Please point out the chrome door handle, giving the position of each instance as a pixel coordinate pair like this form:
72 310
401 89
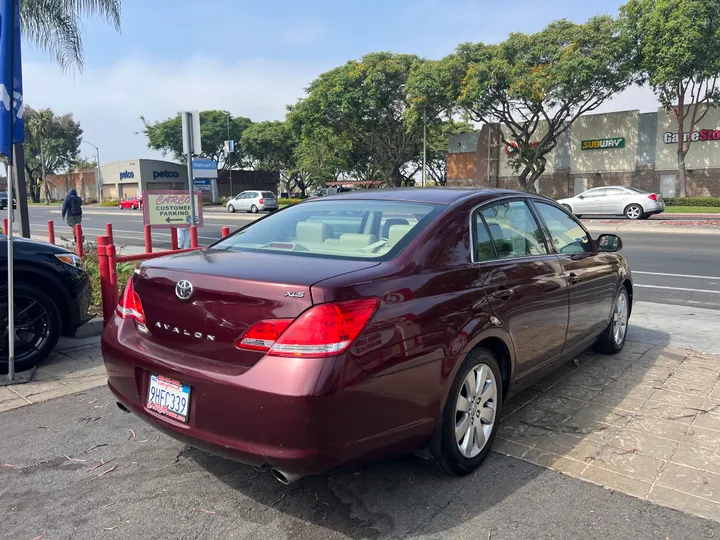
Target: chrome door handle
503 293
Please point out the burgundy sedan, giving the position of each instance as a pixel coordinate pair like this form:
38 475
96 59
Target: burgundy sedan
365 325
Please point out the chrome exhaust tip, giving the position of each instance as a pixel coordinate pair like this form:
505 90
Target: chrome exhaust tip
285 478
122 407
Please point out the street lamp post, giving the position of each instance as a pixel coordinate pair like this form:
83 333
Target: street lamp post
98 182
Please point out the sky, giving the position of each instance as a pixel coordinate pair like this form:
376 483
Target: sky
254 58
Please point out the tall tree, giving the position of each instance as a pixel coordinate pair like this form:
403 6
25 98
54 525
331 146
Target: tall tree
677 49
272 146
367 103
166 136
52 145
536 85
83 163
55 26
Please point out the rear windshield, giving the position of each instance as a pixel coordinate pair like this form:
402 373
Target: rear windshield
268 195
369 229
636 190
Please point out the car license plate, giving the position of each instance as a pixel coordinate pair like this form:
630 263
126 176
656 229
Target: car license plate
169 397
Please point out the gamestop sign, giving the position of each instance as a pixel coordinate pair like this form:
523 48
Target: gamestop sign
703 135
163 209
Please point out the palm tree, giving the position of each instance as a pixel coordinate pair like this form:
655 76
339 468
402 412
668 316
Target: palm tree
55 26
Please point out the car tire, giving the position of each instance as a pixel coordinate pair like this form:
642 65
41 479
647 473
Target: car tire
634 211
462 458
120 206
254 209
231 208
46 315
612 340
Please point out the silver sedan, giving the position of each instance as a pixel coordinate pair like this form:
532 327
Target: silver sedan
625 201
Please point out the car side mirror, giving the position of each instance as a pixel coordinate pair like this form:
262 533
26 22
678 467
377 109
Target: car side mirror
581 196
609 243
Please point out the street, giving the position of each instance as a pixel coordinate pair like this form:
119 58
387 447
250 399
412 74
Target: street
668 267
52 486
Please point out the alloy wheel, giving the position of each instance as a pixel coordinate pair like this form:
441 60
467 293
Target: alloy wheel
633 212
32 328
620 318
475 410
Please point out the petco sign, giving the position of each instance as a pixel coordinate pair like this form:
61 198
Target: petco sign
127 175
704 135
165 174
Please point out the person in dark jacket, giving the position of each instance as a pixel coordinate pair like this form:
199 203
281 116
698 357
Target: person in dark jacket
72 209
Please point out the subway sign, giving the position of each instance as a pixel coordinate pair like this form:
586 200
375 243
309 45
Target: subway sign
603 144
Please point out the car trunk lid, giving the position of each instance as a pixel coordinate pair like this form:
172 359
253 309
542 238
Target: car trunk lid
230 292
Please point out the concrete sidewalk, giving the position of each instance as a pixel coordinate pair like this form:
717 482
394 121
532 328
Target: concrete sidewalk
645 422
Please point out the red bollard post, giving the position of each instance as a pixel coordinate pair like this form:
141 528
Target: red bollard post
148 239
5 226
112 263
225 231
108 232
51 231
79 240
193 236
173 238
105 280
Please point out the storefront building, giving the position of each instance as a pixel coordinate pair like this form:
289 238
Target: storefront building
620 148
130 178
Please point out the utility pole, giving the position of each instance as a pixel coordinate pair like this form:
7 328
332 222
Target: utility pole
424 145
98 179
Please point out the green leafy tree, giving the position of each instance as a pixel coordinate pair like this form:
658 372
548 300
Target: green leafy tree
166 136
55 26
367 104
536 85
52 145
272 147
83 163
677 50
321 156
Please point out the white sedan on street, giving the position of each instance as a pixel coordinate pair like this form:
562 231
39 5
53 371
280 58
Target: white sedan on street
625 201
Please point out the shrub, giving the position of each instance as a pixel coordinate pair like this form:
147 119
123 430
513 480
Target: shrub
110 202
124 273
285 202
693 201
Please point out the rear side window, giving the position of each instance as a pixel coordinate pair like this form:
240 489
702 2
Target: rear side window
356 229
567 235
513 230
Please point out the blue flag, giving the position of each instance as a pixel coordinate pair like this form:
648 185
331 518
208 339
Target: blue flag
12 124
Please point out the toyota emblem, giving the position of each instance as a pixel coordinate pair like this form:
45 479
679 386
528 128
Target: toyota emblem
184 289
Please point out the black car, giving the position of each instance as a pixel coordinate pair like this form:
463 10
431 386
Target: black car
4 200
52 297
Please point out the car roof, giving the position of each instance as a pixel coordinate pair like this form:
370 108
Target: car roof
434 195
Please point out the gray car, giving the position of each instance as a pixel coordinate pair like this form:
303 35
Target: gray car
625 201
253 201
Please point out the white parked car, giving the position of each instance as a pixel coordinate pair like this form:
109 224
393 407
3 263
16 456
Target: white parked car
625 201
253 201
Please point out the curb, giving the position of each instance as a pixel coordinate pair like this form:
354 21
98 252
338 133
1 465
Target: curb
655 230
92 328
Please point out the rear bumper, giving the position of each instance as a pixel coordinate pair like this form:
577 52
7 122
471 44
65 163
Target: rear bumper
283 413
654 207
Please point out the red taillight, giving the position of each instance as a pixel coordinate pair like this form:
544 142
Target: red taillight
263 335
322 331
261 201
129 306
652 197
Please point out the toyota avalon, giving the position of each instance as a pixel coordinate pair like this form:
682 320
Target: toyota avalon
365 325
